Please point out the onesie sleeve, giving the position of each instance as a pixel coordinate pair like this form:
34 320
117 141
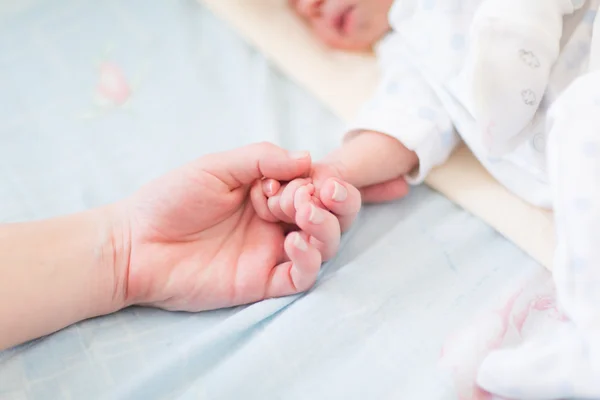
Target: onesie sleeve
404 106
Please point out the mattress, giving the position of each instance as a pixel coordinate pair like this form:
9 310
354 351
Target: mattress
99 97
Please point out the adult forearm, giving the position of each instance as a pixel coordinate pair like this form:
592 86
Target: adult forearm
56 272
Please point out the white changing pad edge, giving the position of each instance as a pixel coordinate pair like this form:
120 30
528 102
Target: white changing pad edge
344 81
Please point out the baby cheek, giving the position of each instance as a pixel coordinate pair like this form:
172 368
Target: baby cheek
327 34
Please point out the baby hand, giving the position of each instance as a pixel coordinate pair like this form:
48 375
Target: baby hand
298 203
291 201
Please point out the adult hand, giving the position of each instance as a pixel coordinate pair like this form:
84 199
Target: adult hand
190 240
197 243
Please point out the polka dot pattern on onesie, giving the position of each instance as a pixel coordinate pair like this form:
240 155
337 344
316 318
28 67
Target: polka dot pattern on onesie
529 97
590 149
529 58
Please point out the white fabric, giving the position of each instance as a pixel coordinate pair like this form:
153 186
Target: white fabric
437 41
554 366
514 46
565 362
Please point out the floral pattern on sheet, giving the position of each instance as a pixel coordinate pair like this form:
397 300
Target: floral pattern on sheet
113 88
506 325
114 85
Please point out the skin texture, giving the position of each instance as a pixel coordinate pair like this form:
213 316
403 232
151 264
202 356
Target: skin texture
353 25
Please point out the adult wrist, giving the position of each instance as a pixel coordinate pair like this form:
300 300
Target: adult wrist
116 252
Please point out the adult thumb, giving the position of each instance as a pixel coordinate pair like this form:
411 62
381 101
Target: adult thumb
244 165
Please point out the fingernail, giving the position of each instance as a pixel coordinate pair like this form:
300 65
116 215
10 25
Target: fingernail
339 192
299 155
301 197
316 216
300 243
268 187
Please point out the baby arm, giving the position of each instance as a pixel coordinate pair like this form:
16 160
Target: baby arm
515 44
369 158
398 137
374 162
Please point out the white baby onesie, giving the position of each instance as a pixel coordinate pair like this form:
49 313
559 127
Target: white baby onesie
427 79
506 92
426 101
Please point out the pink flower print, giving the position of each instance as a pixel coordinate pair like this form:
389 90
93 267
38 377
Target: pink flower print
520 318
543 303
546 303
464 351
113 86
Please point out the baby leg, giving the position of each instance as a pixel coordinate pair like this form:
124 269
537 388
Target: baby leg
515 44
566 362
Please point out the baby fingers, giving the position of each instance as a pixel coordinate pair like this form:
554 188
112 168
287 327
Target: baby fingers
300 273
281 205
322 226
342 199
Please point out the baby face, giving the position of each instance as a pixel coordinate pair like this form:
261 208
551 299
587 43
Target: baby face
346 24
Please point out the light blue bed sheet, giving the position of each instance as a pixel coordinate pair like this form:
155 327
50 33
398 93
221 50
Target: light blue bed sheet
96 98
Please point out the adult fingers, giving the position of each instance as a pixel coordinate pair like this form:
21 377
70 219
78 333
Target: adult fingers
246 164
